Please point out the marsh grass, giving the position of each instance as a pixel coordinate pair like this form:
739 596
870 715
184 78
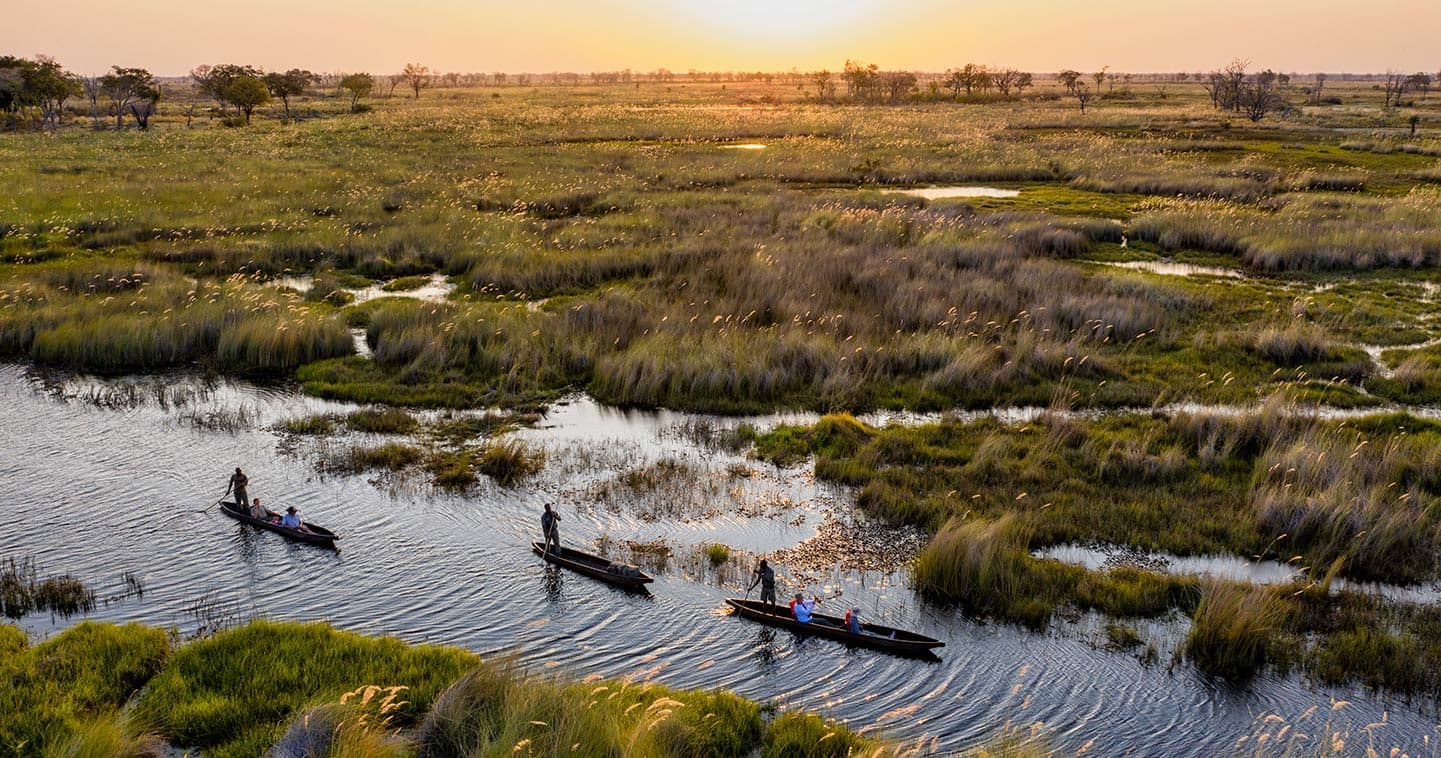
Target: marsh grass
22 591
669 272
318 425
806 735
106 736
216 695
1237 629
405 284
510 461
72 686
382 421
494 709
392 456
717 554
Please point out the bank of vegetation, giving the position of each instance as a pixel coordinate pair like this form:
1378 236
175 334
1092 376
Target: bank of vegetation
1354 498
105 689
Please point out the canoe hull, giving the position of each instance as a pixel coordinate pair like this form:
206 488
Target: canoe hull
592 566
873 635
318 535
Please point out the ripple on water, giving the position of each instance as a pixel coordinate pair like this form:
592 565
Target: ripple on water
98 492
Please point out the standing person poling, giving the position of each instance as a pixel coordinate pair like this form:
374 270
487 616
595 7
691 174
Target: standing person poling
766 577
239 482
550 527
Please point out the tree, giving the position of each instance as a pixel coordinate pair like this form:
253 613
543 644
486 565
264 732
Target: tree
825 88
1260 94
131 86
955 82
969 77
213 80
1224 85
1082 94
12 83
898 84
1070 79
1101 76
38 87
1419 81
861 79
1317 87
358 85
245 93
287 85
1413 121
90 86
1005 80
417 76
1023 81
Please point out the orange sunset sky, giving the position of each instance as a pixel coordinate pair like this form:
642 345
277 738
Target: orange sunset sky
169 36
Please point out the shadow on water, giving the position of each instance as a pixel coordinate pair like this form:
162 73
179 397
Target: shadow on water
552 583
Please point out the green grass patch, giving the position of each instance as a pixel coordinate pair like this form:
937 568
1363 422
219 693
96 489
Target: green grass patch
52 690
232 694
382 421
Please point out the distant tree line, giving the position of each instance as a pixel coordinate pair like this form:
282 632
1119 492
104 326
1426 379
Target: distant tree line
867 83
34 92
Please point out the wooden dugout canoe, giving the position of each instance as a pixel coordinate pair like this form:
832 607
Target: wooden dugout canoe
594 566
830 627
317 535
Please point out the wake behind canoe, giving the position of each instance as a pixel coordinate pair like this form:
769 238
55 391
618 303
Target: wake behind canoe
830 627
620 575
316 535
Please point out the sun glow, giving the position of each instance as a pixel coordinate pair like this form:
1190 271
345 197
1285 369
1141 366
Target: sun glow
795 22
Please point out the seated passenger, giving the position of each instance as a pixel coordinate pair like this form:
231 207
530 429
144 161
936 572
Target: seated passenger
292 519
853 620
803 608
257 511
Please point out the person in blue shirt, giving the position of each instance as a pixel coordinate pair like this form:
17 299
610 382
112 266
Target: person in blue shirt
292 519
803 608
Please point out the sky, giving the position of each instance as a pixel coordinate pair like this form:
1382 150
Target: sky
170 37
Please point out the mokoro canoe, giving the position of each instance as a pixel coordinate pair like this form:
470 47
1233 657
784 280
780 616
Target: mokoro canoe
872 635
594 566
318 535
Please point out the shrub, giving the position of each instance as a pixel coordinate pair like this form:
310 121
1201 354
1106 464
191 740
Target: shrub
717 553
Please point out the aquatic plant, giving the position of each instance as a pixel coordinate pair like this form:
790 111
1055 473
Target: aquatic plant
509 461
1236 629
382 421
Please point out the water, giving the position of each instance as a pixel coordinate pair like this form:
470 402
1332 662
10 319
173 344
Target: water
1172 268
99 488
434 291
942 193
744 146
1231 567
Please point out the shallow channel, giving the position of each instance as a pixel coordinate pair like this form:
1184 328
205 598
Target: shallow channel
98 487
